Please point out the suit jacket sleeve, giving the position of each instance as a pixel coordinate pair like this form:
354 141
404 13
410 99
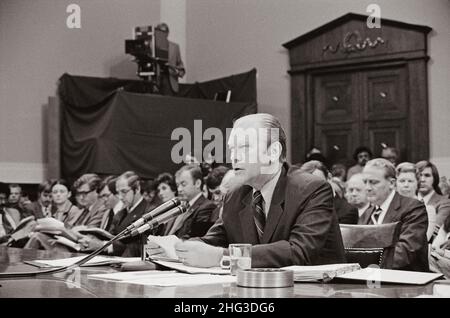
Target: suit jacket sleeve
216 235
307 236
202 222
442 211
412 237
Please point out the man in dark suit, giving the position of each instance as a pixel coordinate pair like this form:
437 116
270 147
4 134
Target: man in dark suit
174 68
42 207
287 216
411 250
197 219
129 191
346 213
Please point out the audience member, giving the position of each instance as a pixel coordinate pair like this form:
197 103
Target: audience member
166 187
361 155
390 154
42 206
411 250
197 219
346 213
356 194
429 191
406 185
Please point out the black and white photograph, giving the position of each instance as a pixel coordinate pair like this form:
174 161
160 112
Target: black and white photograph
224 154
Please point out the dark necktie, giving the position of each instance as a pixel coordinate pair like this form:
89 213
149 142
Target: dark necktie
6 224
375 215
258 215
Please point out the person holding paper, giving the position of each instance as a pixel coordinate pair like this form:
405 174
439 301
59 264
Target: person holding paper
411 250
287 216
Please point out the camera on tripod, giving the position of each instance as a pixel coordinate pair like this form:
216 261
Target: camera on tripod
150 47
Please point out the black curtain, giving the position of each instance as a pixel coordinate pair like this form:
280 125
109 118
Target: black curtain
107 129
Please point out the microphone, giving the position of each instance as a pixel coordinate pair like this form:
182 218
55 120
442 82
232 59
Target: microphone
163 218
153 213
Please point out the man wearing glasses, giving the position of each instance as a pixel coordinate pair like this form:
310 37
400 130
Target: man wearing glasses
134 206
86 195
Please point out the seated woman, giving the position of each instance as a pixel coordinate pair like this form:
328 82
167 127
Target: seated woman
64 214
407 185
166 187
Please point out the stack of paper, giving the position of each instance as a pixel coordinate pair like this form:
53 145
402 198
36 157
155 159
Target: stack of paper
321 272
390 276
96 261
165 278
193 270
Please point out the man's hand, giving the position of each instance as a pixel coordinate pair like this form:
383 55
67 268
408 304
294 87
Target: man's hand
199 254
90 243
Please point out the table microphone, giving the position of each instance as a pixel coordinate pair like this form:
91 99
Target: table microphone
160 219
172 203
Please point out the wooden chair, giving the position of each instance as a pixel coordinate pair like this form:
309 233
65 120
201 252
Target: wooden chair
370 244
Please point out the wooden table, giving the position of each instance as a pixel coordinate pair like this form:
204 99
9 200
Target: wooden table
77 284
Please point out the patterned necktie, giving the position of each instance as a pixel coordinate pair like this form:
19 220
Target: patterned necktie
376 215
258 215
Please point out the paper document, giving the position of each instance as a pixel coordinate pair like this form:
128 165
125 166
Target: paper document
167 243
321 272
193 270
391 276
138 275
96 261
164 278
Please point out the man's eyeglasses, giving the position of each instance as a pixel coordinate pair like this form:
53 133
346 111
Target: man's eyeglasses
83 193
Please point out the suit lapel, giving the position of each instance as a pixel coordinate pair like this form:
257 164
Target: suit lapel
365 217
247 222
181 219
391 213
276 207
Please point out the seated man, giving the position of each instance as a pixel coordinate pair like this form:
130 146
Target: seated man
440 251
287 216
42 207
345 212
197 219
411 250
134 206
356 195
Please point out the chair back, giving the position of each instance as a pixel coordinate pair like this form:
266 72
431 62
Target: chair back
370 244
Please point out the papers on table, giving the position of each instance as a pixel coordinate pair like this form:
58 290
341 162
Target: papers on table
96 261
193 270
165 278
391 276
167 243
320 272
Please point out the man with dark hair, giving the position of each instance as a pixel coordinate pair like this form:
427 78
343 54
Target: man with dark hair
42 206
92 209
286 215
346 213
197 219
128 187
361 155
390 154
213 181
430 193
411 249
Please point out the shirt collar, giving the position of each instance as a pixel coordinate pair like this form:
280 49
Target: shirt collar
385 205
268 189
136 204
363 209
426 198
192 201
